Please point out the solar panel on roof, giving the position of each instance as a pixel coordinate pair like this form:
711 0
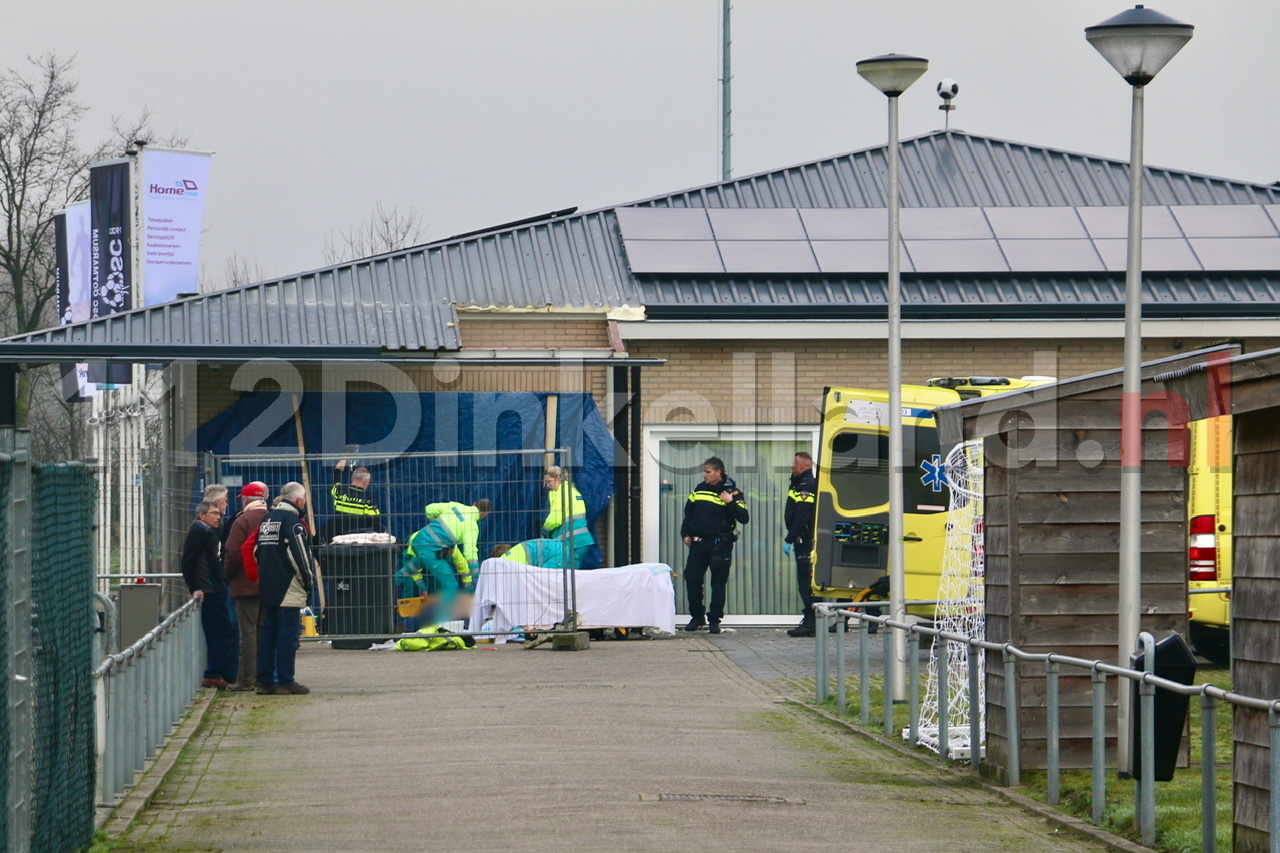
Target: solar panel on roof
759 256
662 223
1224 220
1158 254
1112 222
836 256
1240 253
1035 222
956 256
860 224
1051 255
944 223
673 256
756 224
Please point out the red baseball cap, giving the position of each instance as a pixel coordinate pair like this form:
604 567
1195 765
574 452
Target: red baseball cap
256 489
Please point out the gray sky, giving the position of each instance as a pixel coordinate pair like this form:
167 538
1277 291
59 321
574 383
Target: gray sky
476 112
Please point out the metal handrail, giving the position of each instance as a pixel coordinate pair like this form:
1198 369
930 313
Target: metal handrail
140 694
1148 682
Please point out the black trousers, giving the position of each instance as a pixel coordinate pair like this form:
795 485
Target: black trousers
713 554
803 549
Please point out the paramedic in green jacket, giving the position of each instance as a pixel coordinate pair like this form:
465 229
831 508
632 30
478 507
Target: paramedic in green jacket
442 550
567 514
462 522
545 553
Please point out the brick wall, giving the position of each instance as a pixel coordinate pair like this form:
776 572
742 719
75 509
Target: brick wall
776 382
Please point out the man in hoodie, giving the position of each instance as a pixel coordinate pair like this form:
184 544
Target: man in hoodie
202 570
244 579
284 560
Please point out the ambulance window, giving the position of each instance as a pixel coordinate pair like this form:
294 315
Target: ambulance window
858 471
924 480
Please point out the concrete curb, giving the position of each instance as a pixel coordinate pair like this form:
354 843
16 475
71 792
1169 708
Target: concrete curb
1049 813
115 820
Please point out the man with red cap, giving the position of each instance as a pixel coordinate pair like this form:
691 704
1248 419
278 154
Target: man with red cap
242 576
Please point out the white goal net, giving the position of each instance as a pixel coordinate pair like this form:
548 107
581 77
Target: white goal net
960 607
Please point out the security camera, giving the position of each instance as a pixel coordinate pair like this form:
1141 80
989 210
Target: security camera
948 89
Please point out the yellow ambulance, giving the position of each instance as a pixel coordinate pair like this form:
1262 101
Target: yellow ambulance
1209 529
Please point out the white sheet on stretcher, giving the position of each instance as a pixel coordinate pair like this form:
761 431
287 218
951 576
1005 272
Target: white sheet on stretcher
636 596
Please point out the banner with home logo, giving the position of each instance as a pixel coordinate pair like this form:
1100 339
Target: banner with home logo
172 193
73 277
111 252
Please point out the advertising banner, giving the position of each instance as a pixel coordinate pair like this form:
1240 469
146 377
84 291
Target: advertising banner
172 194
72 242
111 252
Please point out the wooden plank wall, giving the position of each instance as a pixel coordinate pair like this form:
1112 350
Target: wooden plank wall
1052 539
1255 620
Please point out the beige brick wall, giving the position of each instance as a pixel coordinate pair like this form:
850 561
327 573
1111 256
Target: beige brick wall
776 382
533 331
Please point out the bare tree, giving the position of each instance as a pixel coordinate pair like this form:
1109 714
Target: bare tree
238 271
384 231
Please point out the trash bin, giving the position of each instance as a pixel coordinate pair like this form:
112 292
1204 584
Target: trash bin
360 597
1174 662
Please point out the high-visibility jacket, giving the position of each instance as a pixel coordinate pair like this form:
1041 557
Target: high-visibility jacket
567 517
462 521
547 553
431 543
706 516
431 641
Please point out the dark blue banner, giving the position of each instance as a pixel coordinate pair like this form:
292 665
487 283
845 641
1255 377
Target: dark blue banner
111 250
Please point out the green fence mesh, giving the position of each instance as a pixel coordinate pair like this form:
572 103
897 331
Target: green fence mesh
6 477
62 651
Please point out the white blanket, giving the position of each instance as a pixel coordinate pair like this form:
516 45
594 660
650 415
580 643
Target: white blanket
512 595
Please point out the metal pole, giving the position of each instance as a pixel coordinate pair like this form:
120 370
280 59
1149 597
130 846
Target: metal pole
726 75
1208 773
1099 744
897 573
1052 731
1011 718
840 678
1145 796
1131 434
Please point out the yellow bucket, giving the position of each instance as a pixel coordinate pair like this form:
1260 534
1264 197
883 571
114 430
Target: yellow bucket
309 626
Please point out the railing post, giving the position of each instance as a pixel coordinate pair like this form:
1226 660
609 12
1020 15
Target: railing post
975 707
944 699
820 657
887 634
1011 715
1052 728
1099 744
913 687
1273 822
1209 773
840 679
864 671
1146 788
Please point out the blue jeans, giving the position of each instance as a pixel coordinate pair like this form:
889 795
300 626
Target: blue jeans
220 637
278 644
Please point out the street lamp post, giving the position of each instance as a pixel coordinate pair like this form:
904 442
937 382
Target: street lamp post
1138 43
893 74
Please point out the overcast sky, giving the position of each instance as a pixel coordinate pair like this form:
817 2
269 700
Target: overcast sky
477 112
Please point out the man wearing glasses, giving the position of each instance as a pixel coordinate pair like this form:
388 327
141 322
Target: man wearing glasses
202 570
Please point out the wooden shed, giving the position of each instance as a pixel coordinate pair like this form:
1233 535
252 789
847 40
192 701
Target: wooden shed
1248 388
1052 540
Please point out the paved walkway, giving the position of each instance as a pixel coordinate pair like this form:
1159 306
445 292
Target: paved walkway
673 744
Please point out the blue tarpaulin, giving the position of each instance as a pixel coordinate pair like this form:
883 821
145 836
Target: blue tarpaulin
386 425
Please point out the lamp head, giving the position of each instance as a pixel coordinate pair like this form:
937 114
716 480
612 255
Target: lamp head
892 73
1139 42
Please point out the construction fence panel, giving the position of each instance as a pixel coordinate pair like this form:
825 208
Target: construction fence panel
363 594
6 646
62 607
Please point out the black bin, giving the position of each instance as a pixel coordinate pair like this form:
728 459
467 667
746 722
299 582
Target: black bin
1174 662
360 598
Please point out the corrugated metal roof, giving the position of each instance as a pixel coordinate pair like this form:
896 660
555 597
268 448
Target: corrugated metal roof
950 168
1008 296
407 300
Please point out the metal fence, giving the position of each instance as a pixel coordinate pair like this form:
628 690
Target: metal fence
362 595
140 695
1145 813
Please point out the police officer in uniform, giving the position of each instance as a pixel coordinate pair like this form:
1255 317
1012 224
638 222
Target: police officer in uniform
798 517
711 515
355 510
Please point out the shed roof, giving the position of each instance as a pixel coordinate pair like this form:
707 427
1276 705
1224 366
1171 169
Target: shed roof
407 301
